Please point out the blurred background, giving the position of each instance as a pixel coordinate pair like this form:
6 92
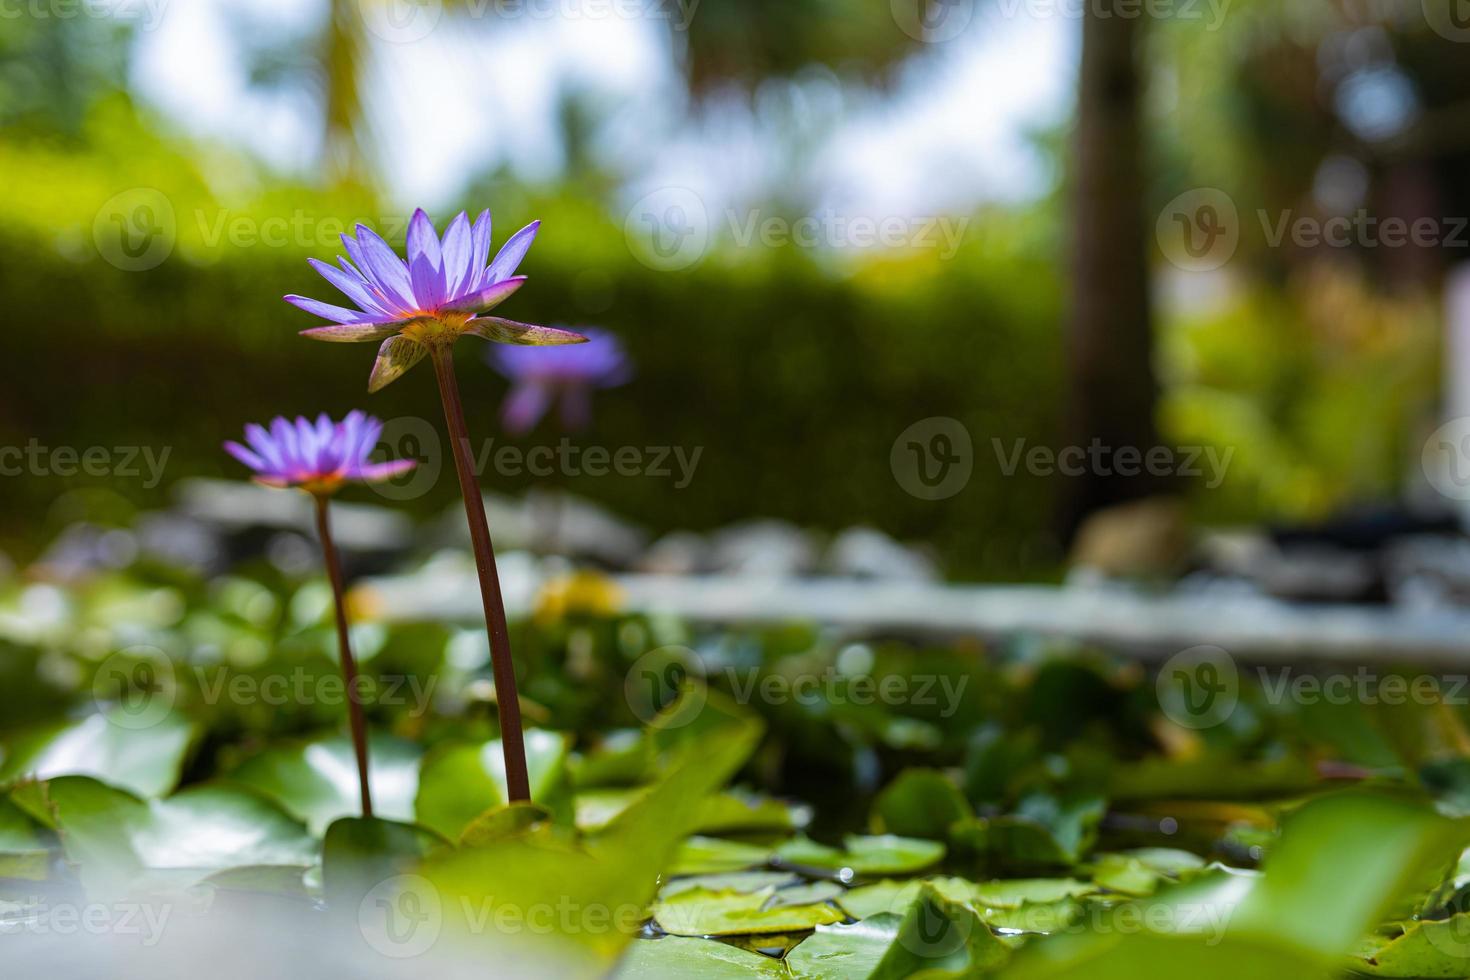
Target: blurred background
966 289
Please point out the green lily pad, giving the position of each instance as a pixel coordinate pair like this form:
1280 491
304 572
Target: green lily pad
118 839
714 855
921 803
511 820
736 812
1431 948
735 881
596 808
317 781
698 912
457 783
1039 918
1016 892
24 854
935 937
360 854
896 896
880 854
679 958
620 758
1043 833
112 746
281 880
844 952
612 873
1125 875
806 894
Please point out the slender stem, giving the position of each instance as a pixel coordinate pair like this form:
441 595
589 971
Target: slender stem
511 738
349 666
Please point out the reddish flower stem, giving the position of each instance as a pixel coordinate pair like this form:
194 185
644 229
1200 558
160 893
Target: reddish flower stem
349 666
511 738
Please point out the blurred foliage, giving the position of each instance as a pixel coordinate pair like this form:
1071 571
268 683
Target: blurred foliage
794 380
1034 804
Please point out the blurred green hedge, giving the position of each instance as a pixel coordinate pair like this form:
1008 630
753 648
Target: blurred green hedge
794 378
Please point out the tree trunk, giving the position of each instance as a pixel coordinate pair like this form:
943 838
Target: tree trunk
1111 386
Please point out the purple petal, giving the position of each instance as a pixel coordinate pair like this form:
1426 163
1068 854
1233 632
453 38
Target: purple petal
375 472
351 269
486 299
425 262
502 331
247 457
353 288
306 440
524 406
352 333
480 245
576 407
385 269
458 253
396 356
349 437
285 436
326 310
262 443
508 259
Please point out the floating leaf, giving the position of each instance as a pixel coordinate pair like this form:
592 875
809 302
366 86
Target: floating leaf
596 808
935 937
880 854
737 812
679 958
317 781
921 803
713 855
1016 892
119 839
458 782
360 854
612 873
1431 948
113 746
511 820
698 912
736 881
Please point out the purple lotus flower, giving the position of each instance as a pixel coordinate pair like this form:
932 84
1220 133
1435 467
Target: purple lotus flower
316 456
542 376
441 293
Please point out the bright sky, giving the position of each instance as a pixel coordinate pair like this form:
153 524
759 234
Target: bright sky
952 134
